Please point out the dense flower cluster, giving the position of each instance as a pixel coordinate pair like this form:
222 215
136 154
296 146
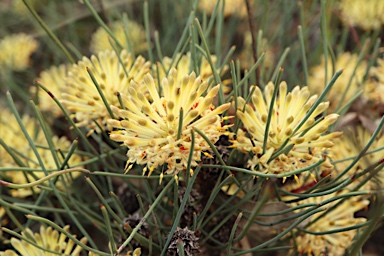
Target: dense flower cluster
375 89
82 98
150 128
232 7
101 41
365 14
13 136
48 239
349 146
289 110
15 51
184 65
19 7
248 166
334 243
54 80
350 77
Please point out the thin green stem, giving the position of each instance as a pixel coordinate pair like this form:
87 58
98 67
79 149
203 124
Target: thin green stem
102 23
69 154
158 47
280 235
103 201
49 32
147 30
303 55
185 197
108 229
279 64
209 58
270 111
45 178
155 203
101 93
323 27
180 128
247 75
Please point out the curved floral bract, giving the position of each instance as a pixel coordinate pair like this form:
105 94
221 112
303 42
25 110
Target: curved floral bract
332 244
15 51
54 80
365 14
289 110
48 240
350 76
15 139
81 96
101 40
150 127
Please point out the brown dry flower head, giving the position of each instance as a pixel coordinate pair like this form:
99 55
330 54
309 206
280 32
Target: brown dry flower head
48 239
289 110
150 127
14 138
80 95
15 51
367 14
189 240
101 40
348 63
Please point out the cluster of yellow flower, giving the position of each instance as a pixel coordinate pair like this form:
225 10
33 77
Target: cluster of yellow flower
163 112
15 51
51 242
21 154
364 14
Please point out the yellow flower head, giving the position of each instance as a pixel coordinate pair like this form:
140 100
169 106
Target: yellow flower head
375 89
289 110
14 138
15 51
333 244
349 146
347 62
101 40
54 79
184 66
49 239
232 7
150 127
19 7
366 14
81 96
